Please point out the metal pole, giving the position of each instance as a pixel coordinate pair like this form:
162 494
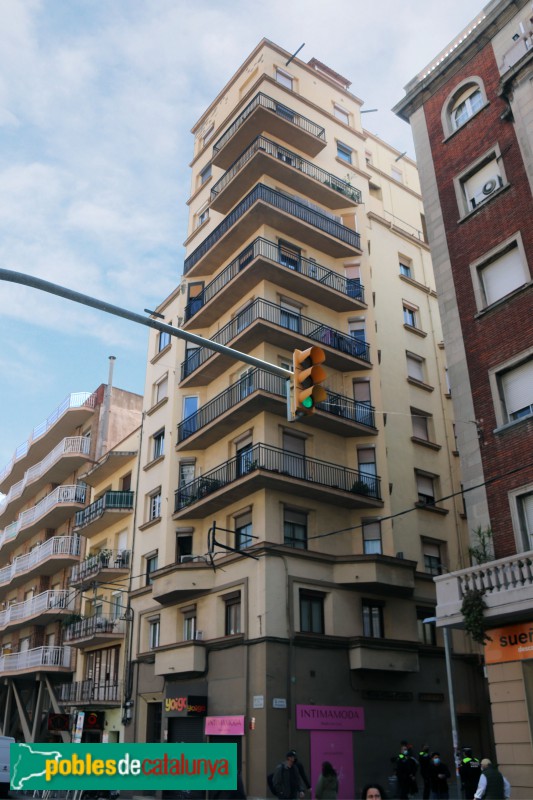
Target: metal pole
453 716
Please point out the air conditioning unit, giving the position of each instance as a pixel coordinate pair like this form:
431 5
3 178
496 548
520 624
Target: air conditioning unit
489 187
185 559
199 635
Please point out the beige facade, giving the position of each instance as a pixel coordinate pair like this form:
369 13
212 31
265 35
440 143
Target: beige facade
304 229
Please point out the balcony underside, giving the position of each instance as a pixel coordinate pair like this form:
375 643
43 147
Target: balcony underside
48 566
381 574
261 479
290 280
102 521
260 121
103 575
51 519
383 655
42 617
263 163
262 401
261 331
107 466
263 213
182 581
95 638
35 672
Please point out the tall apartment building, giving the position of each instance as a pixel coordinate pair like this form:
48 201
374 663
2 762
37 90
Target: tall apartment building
39 545
285 568
471 111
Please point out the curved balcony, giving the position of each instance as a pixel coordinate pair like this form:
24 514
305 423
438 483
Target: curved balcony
46 559
264 114
68 456
107 693
292 216
93 630
38 659
267 467
258 391
109 508
266 157
269 261
72 412
50 512
43 608
106 566
265 321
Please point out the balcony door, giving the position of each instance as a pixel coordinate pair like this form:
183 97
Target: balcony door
246 383
294 455
289 255
190 407
244 459
290 316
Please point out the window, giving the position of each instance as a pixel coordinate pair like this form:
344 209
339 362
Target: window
232 614
190 417
183 546
158 446
432 558
117 605
311 612
205 174
344 152
410 315
202 215
415 367
153 633
295 528
243 531
501 272
427 632
420 421
425 486
244 458
406 267
466 105
290 315
186 472
284 78
372 537
294 455
372 619
189 623
208 134
192 359
516 391
396 174
356 329
154 505
163 340
289 255
363 411
151 566
341 114
161 389
524 504
479 183
366 460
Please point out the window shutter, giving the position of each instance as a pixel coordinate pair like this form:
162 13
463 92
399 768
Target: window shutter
414 369
420 426
425 485
503 275
518 388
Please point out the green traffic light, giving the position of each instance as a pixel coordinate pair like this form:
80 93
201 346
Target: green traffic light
308 402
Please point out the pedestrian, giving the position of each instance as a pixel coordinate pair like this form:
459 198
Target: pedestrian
406 767
424 759
492 784
327 787
470 773
438 778
373 791
305 780
286 780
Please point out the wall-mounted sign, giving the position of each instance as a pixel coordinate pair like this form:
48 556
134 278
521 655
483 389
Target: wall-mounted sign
259 701
192 705
330 718
511 643
224 726
279 702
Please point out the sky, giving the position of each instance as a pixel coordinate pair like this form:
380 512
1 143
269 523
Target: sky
97 101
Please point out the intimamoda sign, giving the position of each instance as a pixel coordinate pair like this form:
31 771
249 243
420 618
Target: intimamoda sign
330 718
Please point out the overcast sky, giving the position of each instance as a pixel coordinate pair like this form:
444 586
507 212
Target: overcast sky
97 99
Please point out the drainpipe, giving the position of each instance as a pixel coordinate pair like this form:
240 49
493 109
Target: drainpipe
103 432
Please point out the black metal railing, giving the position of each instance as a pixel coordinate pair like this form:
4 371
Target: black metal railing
283 255
274 459
297 323
92 626
104 559
260 380
290 205
88 691
264 145
264 101
110 500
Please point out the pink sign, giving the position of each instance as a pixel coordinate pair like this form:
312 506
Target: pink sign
330 718
224 726
335 747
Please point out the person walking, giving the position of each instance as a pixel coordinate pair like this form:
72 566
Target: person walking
286 779
406 767
327 787
424 759
299 766
492 784
438 778
470 772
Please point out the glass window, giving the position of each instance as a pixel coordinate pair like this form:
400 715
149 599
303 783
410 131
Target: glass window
405 269
202 216
161 389
372 619
344 152
432 558
163 341
366 459
189 624
372 538
243 531
410 315
284 78
311 612
427 632
184 543
466 105
158 445
205 174
415 367
502 274
233 615
154 511
420 421
425 485
208 134
341 114
295 529
153 633
516 391
396 174
151 566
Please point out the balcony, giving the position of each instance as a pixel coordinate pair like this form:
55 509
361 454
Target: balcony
108 693
106 566
38 659
376 573
267 467
293 217
266 157
94 630
72 412
269 261
186 579
109 508
263 114
68 456
46 559
258 391
384 655
50 512
185 657
507 585
265 321
43 608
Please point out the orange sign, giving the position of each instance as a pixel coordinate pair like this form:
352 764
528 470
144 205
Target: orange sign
512 643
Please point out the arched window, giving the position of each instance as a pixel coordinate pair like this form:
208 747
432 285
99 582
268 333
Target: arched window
462 103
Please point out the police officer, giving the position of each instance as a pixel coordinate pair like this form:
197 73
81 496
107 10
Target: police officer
406 767
424 759
470 772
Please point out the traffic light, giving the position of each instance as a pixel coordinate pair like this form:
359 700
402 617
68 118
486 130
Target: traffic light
307 377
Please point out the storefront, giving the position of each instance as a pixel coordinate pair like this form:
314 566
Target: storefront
226 730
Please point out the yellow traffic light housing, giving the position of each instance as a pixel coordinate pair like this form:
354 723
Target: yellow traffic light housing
307 377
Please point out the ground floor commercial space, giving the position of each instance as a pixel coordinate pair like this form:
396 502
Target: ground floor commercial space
269 696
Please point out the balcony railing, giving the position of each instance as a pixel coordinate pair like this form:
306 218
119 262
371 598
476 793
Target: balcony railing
296 207
56 546
261 380
90 692
298 324
275 460
109 501
62 495
93 626
105 559
71 401
278 108
261 144
36 657
260 247
51 600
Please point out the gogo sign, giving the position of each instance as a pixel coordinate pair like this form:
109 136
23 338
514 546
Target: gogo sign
186 706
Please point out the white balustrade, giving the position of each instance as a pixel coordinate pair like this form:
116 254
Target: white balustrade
36 657
56 546
50 600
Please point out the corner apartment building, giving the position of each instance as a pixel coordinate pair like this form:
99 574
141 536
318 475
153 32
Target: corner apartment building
39 545
284 568
471 111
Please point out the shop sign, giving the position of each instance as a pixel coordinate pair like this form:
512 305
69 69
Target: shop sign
511 643
224 726
191 705
330 718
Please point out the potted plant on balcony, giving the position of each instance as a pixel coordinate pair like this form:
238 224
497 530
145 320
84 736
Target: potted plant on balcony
360 487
